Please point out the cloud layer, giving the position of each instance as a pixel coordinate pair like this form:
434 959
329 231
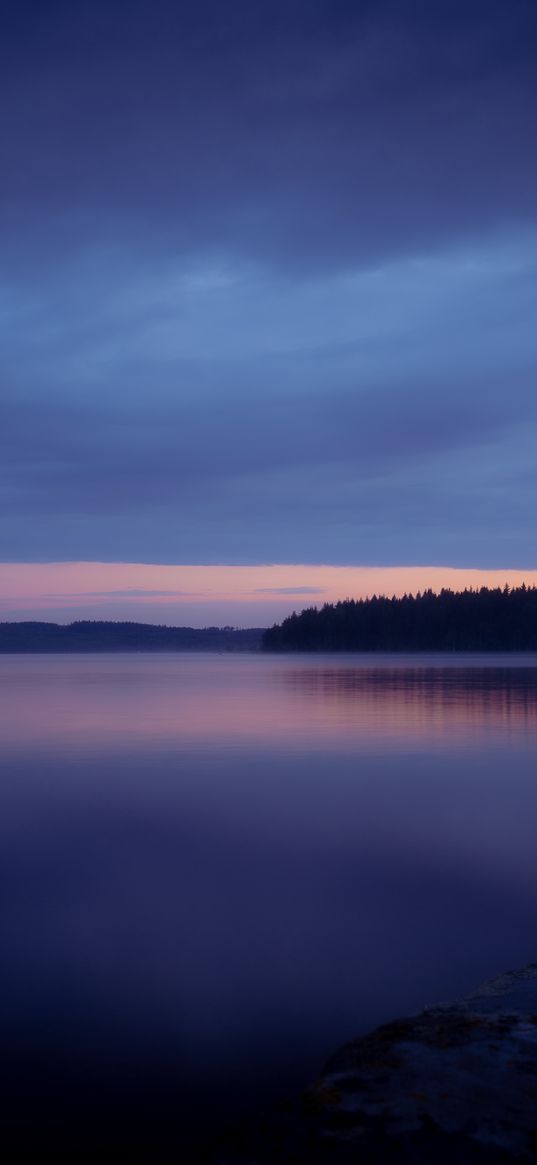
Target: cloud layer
269 283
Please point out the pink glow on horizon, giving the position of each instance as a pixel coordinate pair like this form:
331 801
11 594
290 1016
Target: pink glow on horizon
64 591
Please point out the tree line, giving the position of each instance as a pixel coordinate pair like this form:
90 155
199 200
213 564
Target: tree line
94 635
488 619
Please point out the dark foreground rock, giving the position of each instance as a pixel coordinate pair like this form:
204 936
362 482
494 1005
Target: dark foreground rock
453 1084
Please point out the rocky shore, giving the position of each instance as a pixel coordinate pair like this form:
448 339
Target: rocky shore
455 1084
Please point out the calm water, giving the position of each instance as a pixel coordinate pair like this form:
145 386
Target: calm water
215 869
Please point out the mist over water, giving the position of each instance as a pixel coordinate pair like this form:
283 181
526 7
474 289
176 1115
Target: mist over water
215 869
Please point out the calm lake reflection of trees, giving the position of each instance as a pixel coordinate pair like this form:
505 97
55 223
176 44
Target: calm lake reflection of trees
420 699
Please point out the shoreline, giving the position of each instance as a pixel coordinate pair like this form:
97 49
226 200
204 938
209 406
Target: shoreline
455 1083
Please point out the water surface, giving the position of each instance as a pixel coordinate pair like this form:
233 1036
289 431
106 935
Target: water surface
215 869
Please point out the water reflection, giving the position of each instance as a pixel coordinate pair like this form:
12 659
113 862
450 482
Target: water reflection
415 700
100 702
216 869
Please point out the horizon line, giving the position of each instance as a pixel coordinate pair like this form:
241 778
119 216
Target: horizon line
210 595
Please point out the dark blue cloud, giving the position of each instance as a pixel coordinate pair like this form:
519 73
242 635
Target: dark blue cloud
269 281
301 133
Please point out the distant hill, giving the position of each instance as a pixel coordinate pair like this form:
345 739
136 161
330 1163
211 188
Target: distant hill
92 636
469 620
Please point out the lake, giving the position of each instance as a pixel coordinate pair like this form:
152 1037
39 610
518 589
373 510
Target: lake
218 868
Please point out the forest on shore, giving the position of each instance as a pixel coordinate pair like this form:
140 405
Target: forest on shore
488 619
89 636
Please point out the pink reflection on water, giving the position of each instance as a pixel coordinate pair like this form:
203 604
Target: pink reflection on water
104 702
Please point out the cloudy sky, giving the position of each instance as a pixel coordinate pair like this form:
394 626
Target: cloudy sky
268 291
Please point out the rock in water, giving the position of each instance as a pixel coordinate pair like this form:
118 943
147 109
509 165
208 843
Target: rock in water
455 1084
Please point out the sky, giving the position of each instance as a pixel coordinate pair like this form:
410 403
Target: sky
268 290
